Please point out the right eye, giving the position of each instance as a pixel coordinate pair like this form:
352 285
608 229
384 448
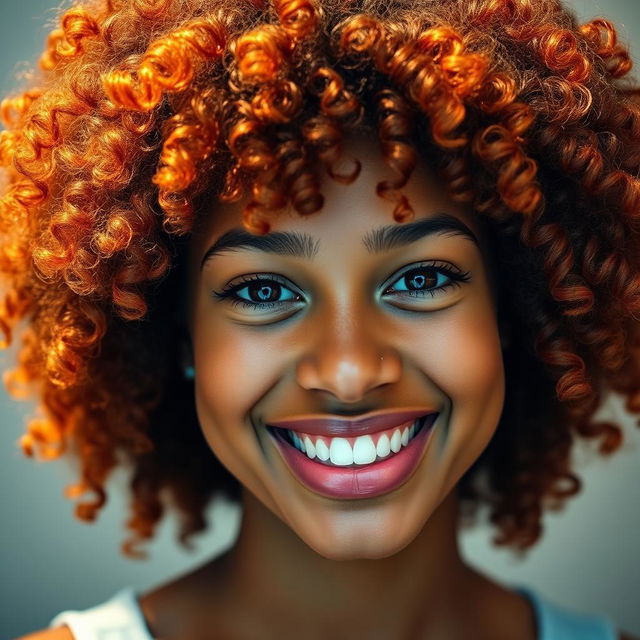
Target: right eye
428 279
262 293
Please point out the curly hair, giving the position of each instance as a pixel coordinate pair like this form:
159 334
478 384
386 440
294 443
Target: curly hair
142 112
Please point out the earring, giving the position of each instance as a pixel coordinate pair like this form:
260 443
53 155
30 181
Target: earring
186 358
189 372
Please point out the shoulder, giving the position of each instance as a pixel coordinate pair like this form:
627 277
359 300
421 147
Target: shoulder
64 633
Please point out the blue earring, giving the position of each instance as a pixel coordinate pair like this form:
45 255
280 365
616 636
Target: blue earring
190 372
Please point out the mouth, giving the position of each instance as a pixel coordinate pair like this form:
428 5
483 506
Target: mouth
362 467
353 452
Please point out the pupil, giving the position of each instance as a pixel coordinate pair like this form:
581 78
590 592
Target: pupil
419 280
263 292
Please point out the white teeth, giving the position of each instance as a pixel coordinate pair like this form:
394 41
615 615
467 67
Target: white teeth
396 441
364 451
340 452
322 451
309 447
384 447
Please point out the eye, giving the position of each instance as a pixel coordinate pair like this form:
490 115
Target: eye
427 280
263 293
267 292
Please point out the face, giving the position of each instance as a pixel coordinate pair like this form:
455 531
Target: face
356 328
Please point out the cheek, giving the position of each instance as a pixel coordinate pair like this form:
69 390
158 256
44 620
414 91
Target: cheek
227 368
234 369
463 357
469 357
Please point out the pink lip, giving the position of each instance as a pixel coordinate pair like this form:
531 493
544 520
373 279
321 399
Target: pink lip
369 481
338 426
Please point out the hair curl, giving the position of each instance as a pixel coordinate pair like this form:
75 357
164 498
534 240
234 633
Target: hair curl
142 111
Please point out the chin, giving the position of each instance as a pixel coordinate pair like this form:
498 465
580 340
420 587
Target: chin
355 537
358 550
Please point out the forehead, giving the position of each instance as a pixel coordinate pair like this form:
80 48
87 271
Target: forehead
350 212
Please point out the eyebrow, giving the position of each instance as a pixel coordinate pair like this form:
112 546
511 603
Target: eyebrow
302 245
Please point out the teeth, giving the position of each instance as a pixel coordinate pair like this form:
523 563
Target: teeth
322 451
338 451
384 446
364 451
309 447
396 441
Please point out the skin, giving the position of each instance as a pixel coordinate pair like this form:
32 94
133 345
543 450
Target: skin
346 348
304 565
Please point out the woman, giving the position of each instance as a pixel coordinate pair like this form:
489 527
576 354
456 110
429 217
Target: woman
255 243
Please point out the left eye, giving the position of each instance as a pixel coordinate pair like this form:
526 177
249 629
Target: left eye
428 280
266 292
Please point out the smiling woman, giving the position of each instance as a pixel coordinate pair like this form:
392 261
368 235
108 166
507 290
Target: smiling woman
363 267
341 334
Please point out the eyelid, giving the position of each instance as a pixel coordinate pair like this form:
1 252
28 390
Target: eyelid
249 279
454 274
439 265
228 292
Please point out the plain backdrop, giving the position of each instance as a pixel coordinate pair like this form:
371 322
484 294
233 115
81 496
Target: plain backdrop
588 560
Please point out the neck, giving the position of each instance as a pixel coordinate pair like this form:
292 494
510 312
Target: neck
271 570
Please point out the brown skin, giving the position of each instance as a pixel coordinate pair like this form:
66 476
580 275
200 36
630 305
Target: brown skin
359 559
347 348
304 565
234 595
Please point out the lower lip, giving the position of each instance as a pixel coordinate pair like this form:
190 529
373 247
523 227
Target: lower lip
370 481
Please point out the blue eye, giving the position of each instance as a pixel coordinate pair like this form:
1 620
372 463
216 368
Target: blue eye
427 280
264 293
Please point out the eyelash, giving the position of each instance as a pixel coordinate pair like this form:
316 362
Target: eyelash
456 278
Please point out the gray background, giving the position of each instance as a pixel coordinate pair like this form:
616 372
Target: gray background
588 560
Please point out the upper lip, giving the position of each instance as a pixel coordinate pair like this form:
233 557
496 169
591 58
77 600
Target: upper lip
337 426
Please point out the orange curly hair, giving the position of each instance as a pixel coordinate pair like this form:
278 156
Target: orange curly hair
143 111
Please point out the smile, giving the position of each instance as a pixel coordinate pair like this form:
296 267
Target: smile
362 467
354 452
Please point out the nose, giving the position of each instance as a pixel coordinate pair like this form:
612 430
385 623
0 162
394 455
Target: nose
348 360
